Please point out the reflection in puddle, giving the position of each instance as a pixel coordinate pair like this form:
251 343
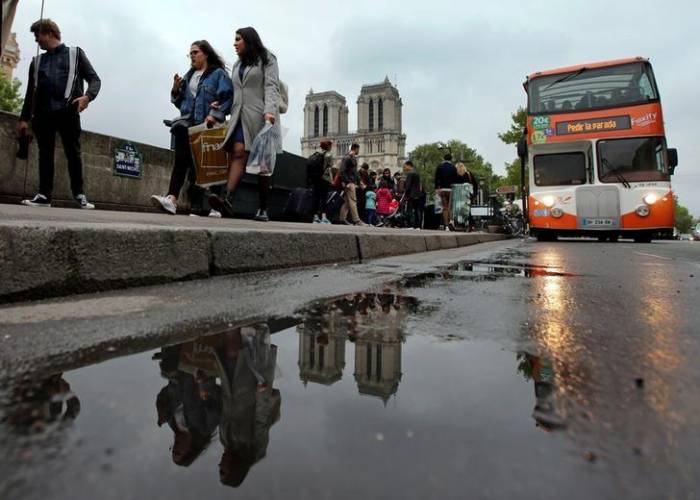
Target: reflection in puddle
223 381
35 406
541 371
374 323
491 270
224 388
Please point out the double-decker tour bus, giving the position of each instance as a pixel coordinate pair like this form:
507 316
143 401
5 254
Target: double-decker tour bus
597 157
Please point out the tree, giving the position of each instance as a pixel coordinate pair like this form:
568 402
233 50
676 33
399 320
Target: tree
512 177
681 217
512 136
426 157
10 98
519 118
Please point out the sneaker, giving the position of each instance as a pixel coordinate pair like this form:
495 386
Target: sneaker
222 205
316 219
165 203
261 215
39 200
83 203
214 213
359 223
324 220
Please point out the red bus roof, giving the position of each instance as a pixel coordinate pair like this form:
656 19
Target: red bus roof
600 64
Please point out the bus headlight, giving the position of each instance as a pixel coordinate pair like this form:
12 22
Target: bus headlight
650 199
642 210
548 201
557 212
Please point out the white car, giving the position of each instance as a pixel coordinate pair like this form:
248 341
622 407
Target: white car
696 232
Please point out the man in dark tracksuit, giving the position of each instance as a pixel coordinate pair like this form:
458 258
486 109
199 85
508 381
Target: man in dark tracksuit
53 103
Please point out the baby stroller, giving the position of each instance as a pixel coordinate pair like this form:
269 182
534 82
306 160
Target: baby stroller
397 218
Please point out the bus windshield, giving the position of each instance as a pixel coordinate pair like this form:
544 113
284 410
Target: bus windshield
637 159
588 89
560 169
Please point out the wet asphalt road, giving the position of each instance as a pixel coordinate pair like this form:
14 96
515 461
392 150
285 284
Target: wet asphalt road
517 369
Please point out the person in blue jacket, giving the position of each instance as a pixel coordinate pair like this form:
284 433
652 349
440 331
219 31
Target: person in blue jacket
207 81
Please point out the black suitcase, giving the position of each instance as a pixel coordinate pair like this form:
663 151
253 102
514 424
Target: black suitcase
334 203
431 220
300 205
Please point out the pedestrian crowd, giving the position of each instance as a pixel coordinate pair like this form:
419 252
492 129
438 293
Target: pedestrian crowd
253 97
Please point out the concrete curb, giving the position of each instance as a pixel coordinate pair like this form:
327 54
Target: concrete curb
40 262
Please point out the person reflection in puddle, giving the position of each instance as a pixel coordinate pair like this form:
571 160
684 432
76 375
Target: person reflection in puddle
541 372
191 402
33 407
250 405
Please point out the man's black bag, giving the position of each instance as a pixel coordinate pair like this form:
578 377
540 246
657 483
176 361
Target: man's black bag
300 204
314 166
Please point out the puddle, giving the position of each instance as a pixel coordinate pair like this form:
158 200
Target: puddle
488 270
287 409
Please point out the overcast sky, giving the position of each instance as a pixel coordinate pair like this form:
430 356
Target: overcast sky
459 65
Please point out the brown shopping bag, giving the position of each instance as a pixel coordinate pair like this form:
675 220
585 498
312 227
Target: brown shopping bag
210 160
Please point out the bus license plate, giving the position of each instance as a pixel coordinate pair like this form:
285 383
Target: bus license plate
598 222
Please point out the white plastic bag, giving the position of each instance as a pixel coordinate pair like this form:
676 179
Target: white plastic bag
437 201
263 152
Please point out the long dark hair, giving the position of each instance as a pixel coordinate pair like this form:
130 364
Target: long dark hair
254 49
214 60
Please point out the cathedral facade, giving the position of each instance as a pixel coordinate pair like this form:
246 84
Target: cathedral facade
379 128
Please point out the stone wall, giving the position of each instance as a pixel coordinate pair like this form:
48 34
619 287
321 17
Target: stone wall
20 178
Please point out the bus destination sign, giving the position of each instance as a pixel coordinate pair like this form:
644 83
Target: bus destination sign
593 125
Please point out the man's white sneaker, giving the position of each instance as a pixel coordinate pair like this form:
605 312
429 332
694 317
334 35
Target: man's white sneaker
214 213
83 203
39 200
165 203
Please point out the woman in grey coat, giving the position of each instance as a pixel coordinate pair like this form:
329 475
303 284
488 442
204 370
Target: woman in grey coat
256 98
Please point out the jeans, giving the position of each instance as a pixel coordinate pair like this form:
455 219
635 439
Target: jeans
370 214
320 188
414 215
67 123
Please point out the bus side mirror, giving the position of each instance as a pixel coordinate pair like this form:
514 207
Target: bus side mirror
672 160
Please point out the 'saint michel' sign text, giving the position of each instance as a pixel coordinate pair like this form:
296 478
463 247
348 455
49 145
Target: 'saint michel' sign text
607 124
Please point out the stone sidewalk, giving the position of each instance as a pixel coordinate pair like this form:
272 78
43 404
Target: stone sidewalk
49 252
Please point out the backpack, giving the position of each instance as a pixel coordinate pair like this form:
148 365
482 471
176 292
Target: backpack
283 105
314 165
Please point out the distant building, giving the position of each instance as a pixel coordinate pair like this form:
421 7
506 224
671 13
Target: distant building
10 56
379 126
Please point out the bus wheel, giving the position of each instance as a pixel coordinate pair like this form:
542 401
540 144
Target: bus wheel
602 238
614 238
642 238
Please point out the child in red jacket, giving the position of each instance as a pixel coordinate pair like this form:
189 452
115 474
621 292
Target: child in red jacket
384 198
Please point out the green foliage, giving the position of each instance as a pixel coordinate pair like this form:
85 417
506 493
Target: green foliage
512 177
10 98
519 120
681 216
426 158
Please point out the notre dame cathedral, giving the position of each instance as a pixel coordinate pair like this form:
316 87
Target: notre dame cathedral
382 143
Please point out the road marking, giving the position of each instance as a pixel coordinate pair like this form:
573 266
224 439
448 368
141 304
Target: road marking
652 255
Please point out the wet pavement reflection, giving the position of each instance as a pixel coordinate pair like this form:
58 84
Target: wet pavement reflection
416 390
